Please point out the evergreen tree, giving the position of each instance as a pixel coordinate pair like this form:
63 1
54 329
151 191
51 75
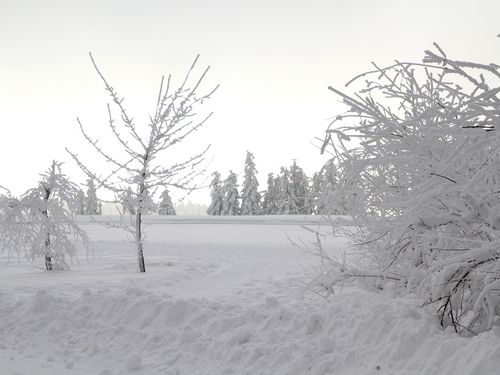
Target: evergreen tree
315 191
166 207
92 205
231 205
250 197
148 205
300 186
328 202
286 200
217 195
80 202
269 201
275 206
128 202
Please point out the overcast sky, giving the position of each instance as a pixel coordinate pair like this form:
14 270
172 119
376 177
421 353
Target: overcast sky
273 59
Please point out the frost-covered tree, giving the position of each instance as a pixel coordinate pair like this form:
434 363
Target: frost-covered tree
149 206
217 196
286 200
81 202
166 207
250 197
41 223
315 192
269 199
330 199
418 149
128 202
15 226
231 204
300 186
146 146
92 205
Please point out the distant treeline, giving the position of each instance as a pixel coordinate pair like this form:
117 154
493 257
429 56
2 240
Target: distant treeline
290 192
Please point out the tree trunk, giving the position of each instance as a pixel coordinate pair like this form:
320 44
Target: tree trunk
138 228
48 258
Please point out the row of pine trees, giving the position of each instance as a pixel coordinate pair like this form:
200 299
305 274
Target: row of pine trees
290 192
89 204
164 206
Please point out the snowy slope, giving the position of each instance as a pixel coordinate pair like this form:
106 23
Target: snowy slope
217 299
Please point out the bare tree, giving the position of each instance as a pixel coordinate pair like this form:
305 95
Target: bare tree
146 146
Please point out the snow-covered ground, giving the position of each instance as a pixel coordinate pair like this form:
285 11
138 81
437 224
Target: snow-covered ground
218 297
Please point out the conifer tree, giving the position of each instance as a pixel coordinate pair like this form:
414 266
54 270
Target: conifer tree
92 205
329 203
275 206
217 205
300 186
269 200
315 191
250 197
166 207
80 210
231 204
148 205
128 202
286 200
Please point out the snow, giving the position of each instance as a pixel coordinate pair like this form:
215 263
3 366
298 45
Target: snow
218 297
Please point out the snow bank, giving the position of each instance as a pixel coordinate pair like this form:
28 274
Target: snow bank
135 330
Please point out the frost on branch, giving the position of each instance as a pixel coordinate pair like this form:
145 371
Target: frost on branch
418 161
149 157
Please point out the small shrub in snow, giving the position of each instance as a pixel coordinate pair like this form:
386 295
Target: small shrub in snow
417 157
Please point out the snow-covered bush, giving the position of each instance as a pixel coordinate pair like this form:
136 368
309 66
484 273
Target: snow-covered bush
40 224
417 159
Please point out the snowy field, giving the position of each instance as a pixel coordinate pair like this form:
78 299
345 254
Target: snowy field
220 296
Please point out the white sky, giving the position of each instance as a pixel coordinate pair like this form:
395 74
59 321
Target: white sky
273 59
